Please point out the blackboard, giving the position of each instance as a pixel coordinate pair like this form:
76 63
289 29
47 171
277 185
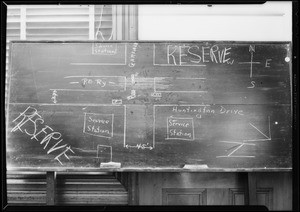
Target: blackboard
149 106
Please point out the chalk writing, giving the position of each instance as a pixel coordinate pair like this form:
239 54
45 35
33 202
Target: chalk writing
95 83
198 111
54 95
139 146
156 95
99 82
116 101
267 65
189 55
29 121
180 128
252 84
223 110
132 95
133 55
104 48
100 125
205 109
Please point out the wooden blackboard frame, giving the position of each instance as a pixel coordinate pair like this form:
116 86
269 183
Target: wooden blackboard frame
163 169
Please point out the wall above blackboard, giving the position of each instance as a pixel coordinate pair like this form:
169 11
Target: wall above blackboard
184 106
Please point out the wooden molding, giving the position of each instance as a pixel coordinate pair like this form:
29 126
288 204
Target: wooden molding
198 194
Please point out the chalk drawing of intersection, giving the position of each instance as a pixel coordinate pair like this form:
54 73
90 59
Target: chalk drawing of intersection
240 144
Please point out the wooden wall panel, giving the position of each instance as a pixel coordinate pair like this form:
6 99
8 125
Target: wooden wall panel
273 190
218 196
150 188
265 197
281 185
184 196
237 196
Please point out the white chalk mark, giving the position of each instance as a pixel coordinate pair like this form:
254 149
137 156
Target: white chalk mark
180 78
154 85
235 142
160 91
139 146
85 150
259 131
240 145
186 139
235 156
116 101
84 120
269 127
63 104
110 147
100 22
179 117
132 79
154 54
109 137
168 136
125 54
54 95
97 64
251 50
67 89
251 64
112 125
257 140
110 154
125 125
155 64
184 105
236 149
181 91
87 76
178 65
154 126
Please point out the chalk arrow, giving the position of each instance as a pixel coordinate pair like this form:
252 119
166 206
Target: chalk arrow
268 137
251 48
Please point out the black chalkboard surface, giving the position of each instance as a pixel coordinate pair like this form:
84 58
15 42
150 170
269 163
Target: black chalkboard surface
149 106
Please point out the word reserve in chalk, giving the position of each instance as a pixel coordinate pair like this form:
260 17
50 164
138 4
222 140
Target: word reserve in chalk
100 125
32 124
180 128
192 55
